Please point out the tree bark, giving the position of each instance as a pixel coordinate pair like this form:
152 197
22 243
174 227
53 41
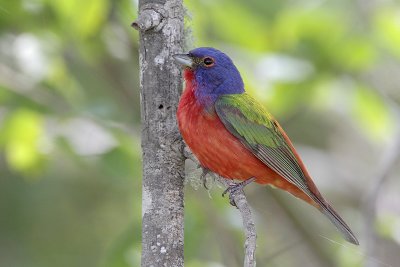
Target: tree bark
160 23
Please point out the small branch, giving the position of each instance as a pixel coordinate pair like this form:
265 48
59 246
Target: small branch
150 17
248 223
245 211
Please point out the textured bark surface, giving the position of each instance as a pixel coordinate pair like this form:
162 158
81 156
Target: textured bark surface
160 23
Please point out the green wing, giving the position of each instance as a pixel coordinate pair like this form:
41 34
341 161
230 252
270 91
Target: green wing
246 119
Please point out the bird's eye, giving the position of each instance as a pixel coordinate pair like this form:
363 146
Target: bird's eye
208 61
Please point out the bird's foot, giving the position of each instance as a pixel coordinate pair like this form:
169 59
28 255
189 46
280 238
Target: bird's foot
203 176
235 188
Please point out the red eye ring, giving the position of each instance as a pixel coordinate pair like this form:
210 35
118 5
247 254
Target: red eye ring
208 61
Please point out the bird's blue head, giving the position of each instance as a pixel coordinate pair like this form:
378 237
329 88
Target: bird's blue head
214 74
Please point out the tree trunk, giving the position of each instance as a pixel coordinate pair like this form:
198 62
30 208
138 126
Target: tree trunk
160 23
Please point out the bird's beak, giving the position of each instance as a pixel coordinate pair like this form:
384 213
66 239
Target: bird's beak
184 60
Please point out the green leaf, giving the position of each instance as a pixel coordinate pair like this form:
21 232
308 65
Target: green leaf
387 27
372 114
23 133
82 17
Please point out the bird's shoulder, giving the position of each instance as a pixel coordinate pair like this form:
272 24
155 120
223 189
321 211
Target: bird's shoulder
246 107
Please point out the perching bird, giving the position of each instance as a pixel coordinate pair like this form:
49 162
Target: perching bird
232 134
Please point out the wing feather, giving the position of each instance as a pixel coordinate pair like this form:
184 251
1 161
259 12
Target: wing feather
261 134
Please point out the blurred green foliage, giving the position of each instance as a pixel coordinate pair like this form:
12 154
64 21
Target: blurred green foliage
70 128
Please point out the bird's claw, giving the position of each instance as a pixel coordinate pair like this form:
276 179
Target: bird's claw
234 188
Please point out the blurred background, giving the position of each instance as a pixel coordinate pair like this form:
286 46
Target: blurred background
70 159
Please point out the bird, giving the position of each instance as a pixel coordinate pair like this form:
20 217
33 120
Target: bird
234 136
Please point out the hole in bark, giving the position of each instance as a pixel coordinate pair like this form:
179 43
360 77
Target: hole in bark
160 106
135 25
168 107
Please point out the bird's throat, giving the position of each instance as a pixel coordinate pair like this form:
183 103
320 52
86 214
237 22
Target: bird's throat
203 98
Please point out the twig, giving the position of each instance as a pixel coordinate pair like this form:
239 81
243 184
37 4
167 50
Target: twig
245 211
248 223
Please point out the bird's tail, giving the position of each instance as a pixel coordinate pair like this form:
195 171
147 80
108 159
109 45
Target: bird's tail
332 215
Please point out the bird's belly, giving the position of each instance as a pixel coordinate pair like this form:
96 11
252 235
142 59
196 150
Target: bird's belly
221 152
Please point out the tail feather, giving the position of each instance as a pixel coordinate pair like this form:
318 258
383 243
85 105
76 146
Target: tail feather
340 224
314 198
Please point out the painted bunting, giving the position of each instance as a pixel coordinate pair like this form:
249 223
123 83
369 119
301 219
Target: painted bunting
232 134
